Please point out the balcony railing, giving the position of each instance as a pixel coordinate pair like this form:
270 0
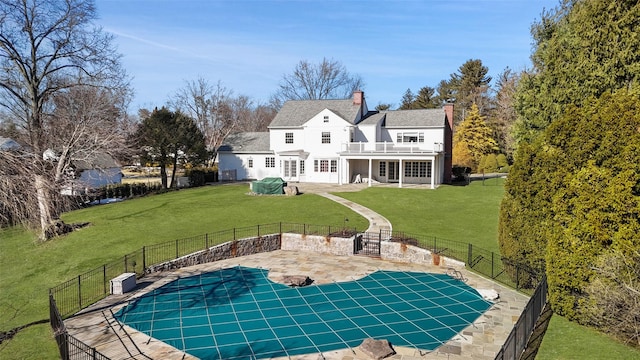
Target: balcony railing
391 148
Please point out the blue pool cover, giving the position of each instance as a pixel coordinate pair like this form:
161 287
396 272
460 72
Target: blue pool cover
238 313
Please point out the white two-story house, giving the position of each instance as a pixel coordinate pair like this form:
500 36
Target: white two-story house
341 141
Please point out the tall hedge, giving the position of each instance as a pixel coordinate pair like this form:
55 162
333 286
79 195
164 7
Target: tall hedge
574 197
596 208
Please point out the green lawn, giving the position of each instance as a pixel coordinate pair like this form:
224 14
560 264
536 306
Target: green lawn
467 214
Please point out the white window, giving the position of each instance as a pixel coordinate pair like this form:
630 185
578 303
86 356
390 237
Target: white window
410 137
270 162
250 163
324 165
301 167
326 118
288 138
417 169
326 137
383 168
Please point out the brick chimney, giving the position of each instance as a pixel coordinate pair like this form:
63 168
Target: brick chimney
358 96
448 143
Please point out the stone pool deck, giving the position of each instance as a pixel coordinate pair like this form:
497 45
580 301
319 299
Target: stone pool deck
481 340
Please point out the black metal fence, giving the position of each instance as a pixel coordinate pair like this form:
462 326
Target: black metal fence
68 346
518 339
84 290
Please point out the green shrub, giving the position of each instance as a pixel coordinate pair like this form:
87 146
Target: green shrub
502 161
199 176
490 163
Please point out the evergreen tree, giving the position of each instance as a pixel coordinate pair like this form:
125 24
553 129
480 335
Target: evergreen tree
582 49
462 156
426 99
476 135
407 100
596 205
165 136
470 85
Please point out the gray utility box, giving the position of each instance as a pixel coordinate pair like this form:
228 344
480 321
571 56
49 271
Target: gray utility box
123 283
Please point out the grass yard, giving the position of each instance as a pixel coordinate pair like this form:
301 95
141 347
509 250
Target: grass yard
468 214
29 269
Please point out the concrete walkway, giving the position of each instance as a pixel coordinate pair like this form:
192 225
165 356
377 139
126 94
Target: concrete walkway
377 222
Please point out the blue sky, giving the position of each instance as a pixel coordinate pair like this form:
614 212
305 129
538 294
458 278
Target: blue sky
248 45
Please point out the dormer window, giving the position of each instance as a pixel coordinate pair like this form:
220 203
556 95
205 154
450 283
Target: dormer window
410 137
326 118
288 138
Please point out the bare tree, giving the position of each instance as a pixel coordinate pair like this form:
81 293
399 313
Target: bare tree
258 119
504 113
86 121
328 79
615 293
48 47
218 112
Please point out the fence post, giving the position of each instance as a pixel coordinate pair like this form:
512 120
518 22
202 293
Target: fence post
177 252
79 293
492 264
470 255
126 265
280 227
104 277
517 277
258 230
234 234
144 258
206 241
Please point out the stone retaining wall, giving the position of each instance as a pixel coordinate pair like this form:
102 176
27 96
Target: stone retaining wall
227 250
396 251
317 243
393 251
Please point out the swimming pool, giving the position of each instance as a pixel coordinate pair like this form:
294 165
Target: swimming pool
238 313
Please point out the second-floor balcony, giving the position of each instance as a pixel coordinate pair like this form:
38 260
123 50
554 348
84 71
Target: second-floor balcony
389 147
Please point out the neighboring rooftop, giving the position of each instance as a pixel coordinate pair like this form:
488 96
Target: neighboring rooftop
8 144
247 142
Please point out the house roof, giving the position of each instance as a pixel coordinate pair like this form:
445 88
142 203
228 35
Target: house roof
8 144
246 142
415 118
298 112
94 161
372 119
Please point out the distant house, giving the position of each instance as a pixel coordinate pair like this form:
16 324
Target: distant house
8 144
342 141
92 171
